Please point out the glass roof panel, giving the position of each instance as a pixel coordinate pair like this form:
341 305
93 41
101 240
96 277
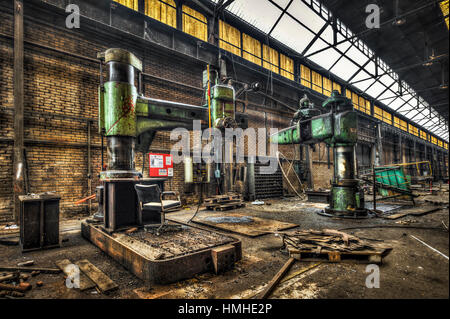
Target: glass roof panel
344 68
286 28
291 33
375 89
326 58
358 57
304 14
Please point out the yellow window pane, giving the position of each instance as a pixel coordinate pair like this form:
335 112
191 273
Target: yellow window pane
270 58
355 100
348 94
378 113
132 4
164 11
368 111
444 8
316 81
251 49
230 38
337 87
327 86
413 130
305 76
286 67
362 104
387 117
195 23
423 135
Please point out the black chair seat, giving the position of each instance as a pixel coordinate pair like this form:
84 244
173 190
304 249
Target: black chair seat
152 201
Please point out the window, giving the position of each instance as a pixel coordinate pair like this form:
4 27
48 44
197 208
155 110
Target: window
132 4
387 117
364 105
305 76
378 113
355 100
195 23
316 81
270 59
337 87
327 86
251 49
229 38
423 135
413 130
399 123
286 67
348 94
162 10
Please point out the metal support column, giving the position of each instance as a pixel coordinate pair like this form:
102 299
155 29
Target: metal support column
18 157
309 163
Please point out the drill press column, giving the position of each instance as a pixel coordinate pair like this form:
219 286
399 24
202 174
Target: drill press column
118 112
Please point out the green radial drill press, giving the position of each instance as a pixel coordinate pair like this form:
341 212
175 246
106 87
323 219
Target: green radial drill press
129 121
338 129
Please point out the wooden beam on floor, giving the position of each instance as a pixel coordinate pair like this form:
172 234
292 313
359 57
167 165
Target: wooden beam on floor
275 280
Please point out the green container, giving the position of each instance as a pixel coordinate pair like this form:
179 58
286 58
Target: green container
393 176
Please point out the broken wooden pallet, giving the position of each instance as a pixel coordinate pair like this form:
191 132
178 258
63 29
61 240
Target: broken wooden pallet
222 199
366 256
222 207
332 246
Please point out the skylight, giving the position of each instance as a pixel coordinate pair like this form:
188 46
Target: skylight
298 26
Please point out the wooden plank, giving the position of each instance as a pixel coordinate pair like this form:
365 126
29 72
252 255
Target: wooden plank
275 280
85 282
417 211
104 283
31 269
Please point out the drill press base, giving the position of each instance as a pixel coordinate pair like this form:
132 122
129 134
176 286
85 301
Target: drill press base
169 257
352 214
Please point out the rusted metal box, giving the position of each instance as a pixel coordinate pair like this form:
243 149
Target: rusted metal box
39 221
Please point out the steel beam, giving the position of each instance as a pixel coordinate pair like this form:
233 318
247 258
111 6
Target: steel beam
316 37
279 17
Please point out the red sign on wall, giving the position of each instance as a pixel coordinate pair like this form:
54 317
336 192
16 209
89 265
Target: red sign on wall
161 165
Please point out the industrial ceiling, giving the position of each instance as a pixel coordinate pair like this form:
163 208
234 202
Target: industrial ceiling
403 63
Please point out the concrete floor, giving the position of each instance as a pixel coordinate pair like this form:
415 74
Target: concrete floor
411 270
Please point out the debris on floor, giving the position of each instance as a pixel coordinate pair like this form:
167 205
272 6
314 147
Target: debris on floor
415 211
332 246
258 202
26 263
224 202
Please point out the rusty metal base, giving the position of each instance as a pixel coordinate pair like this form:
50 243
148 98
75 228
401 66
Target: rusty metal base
185 257
351 214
